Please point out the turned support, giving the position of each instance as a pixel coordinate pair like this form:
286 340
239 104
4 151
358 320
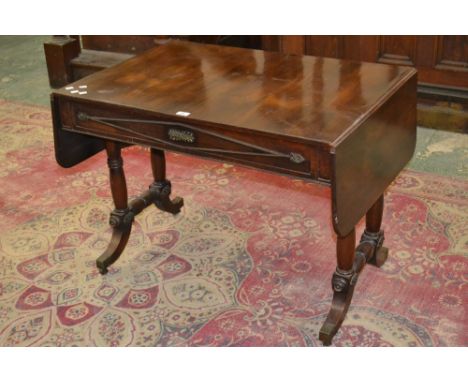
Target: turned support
373 235
161 187
343 281
122 217
350 262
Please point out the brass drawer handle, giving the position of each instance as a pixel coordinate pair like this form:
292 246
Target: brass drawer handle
181 135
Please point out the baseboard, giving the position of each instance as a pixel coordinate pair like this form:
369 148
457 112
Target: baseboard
443 107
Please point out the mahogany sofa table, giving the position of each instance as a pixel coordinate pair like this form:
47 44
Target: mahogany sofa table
346 124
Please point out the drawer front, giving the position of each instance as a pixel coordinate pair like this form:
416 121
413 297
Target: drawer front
193 137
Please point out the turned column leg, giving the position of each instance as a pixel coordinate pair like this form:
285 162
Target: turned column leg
343 282
350 262
373 235
122 217
161 187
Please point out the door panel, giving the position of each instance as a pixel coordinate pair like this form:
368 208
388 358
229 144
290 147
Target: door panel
399 50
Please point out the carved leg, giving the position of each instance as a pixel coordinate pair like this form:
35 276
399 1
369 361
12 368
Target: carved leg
122 217
343 282
161 187
350 264
373 235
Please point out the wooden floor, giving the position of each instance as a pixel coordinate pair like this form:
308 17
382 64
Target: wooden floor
23 77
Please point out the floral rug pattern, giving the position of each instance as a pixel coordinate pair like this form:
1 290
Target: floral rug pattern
247 262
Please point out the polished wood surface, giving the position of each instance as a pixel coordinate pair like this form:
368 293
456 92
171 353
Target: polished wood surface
377 150
70 58
338 115
441 61
307 98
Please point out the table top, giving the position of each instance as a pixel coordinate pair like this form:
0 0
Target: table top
305 97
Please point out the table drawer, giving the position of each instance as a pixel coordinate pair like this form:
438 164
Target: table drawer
193 137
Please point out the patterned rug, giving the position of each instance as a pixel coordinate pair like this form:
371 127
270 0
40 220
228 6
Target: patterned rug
248 261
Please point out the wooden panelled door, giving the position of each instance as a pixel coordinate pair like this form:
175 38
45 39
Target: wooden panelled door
441 60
